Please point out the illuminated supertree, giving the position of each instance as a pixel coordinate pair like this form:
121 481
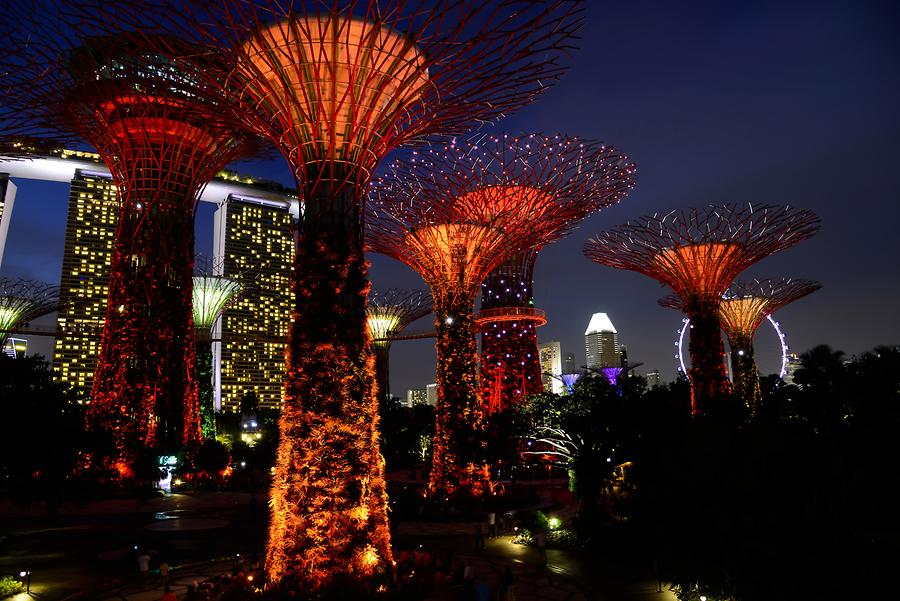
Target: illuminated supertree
744 306
336 85
698 253
388 313
212 294
510 362
144 103
456 213
23 300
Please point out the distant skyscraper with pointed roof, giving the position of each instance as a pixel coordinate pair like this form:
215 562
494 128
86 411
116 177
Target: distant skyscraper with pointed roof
601 341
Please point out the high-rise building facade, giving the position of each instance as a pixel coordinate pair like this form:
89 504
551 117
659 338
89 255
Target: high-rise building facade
601 341
569 365
431 394
7 198
550 355
653 378
253 241
416 396
84 283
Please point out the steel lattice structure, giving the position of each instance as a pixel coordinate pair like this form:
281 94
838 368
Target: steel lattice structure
744 307
387 315
510 362
454 214
212 294
23 300
144 102
335 86
697 253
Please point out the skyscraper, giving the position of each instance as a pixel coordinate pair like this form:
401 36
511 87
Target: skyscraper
416 396
7 197
254 240
84 284
551 366
569 366
601 341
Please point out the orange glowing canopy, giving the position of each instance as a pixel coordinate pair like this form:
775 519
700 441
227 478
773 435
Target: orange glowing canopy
453 256
335 83
741 316
699 270
154 120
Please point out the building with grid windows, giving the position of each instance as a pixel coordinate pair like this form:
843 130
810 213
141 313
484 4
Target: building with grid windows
253 241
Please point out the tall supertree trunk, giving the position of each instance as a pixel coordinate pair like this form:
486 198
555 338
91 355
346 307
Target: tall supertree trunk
329 502
144 391
382 352
709 375
745 374
205 399
457 466
507 380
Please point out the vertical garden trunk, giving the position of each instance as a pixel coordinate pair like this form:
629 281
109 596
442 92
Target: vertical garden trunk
745 374
709 376
457 467
328 500
144 390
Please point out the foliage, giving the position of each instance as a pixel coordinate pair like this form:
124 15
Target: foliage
403 431
588 432
40 446
761 510
9 586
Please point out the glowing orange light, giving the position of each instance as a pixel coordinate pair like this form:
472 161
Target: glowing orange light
705 266
334 81
743 315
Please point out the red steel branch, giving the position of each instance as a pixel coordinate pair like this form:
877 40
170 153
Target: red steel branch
698 253
456 213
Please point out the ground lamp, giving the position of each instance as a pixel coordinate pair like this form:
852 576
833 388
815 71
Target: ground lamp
698 253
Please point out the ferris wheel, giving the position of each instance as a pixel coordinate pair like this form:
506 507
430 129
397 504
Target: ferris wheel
686 324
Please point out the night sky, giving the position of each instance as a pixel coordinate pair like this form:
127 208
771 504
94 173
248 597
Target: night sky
715 102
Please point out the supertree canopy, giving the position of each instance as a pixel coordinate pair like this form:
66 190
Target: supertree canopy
335 86
143 101
597 176
743 308
454 214
698 253
23 300
212 294
388 313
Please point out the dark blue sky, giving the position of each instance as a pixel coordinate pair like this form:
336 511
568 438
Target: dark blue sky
716 102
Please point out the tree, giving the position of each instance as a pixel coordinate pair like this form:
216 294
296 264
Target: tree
40 445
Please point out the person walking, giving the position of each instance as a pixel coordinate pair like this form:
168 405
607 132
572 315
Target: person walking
492 524
168 595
